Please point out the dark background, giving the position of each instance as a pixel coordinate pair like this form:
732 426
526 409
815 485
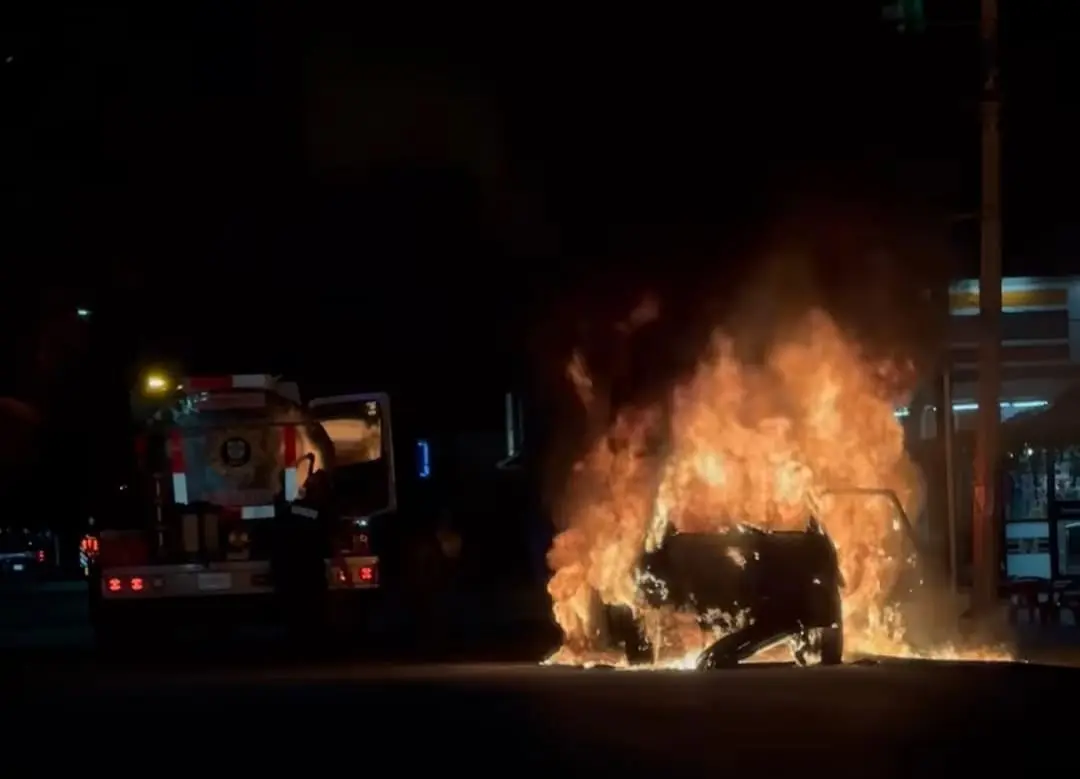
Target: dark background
355 200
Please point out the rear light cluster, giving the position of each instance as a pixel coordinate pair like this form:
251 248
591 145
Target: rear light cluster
130 584
365 575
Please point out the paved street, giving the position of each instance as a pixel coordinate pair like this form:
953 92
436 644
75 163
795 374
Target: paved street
56 615
43 616
487 705
902 719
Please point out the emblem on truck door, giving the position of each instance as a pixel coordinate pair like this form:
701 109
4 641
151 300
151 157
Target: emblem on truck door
235 452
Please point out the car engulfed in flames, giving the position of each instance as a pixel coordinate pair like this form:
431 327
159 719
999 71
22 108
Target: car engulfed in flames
749 589
757 503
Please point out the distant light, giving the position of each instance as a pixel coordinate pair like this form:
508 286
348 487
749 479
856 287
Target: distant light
82 313
9 59
1016 405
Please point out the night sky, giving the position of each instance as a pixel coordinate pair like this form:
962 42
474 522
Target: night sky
248 189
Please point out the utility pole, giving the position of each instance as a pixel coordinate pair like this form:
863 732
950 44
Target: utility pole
987 569
948 437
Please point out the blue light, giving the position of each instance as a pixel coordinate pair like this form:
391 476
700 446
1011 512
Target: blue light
423 459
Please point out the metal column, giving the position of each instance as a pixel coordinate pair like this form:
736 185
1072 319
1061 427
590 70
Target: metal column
987 442
948 438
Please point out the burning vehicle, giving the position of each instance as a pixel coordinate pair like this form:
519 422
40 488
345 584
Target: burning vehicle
791 591
750 589
757 502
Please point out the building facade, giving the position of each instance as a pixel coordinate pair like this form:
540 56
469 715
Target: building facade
1040 349
1040 498
1040 338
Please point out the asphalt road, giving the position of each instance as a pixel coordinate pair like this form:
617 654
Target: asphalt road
487 705
31 612
902 719
57 614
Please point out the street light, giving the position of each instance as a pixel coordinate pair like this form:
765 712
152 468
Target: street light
156 383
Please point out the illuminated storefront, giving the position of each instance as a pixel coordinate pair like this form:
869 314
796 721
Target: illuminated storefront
1041 497
1040 363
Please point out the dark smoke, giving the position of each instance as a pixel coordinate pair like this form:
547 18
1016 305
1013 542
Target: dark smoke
881 275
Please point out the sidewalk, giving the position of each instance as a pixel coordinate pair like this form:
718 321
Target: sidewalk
38 588
1052 645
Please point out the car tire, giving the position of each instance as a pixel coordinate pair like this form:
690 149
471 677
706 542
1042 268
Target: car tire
832 646
623 632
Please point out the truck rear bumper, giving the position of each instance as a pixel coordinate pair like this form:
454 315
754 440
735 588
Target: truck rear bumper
229 593
156 613
224 579
330 608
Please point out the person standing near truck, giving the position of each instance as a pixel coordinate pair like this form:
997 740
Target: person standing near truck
298 566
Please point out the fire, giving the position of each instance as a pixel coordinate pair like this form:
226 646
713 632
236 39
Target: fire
765 444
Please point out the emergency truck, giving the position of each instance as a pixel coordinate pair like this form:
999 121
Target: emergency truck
228 467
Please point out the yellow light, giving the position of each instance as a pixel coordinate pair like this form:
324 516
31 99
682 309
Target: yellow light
156 383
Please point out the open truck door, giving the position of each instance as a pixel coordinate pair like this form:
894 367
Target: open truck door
364 484
358 426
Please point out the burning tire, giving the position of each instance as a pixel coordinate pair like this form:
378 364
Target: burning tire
832 646
624 632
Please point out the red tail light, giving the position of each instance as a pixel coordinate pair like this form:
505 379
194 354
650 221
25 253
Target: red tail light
41 555
135 584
